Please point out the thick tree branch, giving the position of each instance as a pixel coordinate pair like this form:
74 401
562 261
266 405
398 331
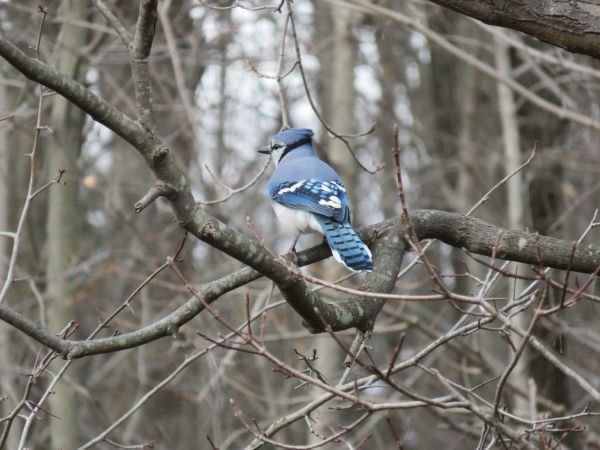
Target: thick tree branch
100 110
480 237
139 52
368 7
387 242
189 214
571 24
385 239
161 328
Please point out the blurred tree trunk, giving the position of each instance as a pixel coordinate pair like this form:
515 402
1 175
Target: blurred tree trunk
7 387
342 98
515 194
64 211
454 140
546 203
16 138
339 102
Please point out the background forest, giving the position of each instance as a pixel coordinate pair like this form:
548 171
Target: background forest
487 117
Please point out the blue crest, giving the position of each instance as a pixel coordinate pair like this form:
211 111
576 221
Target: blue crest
294 135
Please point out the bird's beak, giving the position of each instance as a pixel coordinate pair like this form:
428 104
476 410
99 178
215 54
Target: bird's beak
266 150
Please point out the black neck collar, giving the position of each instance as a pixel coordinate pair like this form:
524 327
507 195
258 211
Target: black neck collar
290 147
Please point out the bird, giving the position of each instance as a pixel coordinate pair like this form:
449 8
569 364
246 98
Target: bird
307 195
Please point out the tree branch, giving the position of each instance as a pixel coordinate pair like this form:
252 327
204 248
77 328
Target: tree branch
480 237
139 51
570 24
387 242
385 238
113 21
100 110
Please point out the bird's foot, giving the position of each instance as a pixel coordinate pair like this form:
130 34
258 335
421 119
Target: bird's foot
292 255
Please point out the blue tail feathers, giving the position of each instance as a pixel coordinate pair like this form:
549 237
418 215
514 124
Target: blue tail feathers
345 244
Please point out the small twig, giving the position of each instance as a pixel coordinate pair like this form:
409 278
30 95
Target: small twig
566 282
56 180
32 169
128 447
210 441
364 440
397 440
288 4
250 336
232 191
237 4
358 343
486 197
113 21
397 351
516 357
285 119
409 230
160 190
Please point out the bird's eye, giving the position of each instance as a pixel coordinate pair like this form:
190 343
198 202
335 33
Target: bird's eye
276 146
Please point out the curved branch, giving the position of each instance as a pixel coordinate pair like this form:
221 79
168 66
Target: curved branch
570 24
139 51
385 238
559 111
480 237
387 242
100 110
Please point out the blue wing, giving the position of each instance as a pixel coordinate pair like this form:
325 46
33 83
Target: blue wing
327 198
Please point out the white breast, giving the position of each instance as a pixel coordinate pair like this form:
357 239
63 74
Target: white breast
296 221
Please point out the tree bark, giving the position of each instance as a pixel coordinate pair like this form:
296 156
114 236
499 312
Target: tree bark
571 24
7 177
512 159
63 220
342 103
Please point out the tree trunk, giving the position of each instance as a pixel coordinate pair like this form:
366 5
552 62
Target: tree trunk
341 100
512 159
63 223
7 380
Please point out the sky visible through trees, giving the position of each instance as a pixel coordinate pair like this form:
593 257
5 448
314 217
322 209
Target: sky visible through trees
143 303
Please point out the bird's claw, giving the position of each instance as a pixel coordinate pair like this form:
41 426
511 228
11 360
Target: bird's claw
293 256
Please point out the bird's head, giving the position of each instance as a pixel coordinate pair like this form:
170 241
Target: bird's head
286 141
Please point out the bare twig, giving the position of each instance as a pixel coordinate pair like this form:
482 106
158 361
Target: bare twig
32 168
239 4
113 21
288 4
139 52
232 191
160 190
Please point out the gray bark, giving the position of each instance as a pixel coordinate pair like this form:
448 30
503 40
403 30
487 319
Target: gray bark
342 102
571 24
457 230
515 194
454 229
7 378
63 220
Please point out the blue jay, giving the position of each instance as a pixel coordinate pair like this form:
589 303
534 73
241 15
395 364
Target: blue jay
307 195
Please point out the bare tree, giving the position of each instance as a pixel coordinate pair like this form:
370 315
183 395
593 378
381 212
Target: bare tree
178 300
